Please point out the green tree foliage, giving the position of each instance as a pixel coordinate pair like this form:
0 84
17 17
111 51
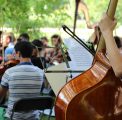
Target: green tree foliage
23 15
32 14
98 7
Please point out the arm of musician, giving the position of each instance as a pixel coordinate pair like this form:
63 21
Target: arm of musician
107 26
48 54
4 84
53 59
58 58
3 91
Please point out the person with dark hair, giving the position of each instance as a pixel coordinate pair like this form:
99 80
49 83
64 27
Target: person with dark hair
23 49
22 81
24 37
36 57
38 44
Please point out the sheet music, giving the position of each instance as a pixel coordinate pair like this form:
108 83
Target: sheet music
81 59
57 80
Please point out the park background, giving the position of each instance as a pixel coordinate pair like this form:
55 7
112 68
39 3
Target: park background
45 17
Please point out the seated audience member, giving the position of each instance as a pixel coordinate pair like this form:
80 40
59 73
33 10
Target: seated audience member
23 37
22 81
36 58
8 44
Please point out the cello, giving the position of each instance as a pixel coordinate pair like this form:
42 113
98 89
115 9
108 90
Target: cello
92 95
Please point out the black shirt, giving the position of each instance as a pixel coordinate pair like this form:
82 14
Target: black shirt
39 62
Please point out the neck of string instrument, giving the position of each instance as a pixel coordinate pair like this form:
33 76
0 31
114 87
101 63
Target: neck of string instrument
110 12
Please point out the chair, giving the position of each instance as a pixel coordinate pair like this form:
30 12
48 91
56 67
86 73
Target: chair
36 103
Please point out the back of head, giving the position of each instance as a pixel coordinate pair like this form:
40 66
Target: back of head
24 37
25 48
38 44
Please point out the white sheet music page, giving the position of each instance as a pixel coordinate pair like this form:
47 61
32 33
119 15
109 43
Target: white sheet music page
81 59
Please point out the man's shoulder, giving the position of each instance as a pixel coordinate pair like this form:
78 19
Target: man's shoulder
36 68
40 71
9 70
23 68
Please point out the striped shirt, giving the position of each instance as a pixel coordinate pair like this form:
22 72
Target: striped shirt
22 81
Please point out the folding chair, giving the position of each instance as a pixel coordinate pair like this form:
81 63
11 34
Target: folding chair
36 103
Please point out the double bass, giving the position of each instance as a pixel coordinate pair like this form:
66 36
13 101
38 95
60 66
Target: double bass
93 95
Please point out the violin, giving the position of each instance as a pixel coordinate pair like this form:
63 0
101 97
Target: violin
11 63
6 65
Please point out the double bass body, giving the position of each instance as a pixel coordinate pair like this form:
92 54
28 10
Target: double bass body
92 95
95 94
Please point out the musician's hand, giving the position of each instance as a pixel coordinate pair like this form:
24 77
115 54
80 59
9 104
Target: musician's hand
53 59
107 25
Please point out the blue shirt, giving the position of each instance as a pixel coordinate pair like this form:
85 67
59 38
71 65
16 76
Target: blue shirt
9 50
